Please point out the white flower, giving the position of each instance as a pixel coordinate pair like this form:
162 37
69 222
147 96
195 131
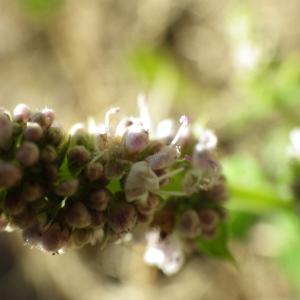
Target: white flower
207 141
166 254
294 149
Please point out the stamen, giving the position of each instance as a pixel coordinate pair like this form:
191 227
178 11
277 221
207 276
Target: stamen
170 174
76 127
144 112
107 118
184 123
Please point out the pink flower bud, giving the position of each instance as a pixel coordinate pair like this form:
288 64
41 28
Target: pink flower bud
136 140
122 217
6 131
9 174
50 172
94 171
28 154
78 216
49 114
67 188
97 218
99 199
24 220
189 224
33 132
78 156
32 235
22 113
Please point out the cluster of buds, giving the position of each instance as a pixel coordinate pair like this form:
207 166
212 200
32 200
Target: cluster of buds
66 190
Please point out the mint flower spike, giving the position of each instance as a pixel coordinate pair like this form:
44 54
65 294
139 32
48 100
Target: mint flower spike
97 184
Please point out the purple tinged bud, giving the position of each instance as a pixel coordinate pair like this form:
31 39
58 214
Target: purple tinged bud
99 200
122 217
6 131
136 141
67 188
24 220
53 238
41 119
31 192
14 205
54 135
189 224
78 156
78 216
49 114
50 172
97 218
22 113
28 154
94 171
33 132
209 233
9 174
164 158
48 154
209 218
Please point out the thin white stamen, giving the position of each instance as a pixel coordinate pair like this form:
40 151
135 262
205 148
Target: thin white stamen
144 112
170 174
107 117
172 193
76 127
184 122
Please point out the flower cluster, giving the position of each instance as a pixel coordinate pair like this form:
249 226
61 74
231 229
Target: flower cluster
66 190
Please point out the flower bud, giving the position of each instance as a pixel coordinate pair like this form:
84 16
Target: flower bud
22 113
31 192
33 132
140 181
50 172
209 233
94 171
122 217
78 216
99 199
217 193
9 174
14 205
149 206
53 238
24 220
97 218
164 220
81 237
49 114
28 154
41 119
67 188
54 135
136 141
78 156
48 154
208 218
189 224
6 131
164 158
32 235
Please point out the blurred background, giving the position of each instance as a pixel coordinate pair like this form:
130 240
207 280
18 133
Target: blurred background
231 65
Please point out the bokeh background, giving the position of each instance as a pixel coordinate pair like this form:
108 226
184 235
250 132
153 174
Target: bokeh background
231 65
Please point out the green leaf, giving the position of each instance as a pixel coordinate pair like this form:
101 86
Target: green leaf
217 247
114 186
